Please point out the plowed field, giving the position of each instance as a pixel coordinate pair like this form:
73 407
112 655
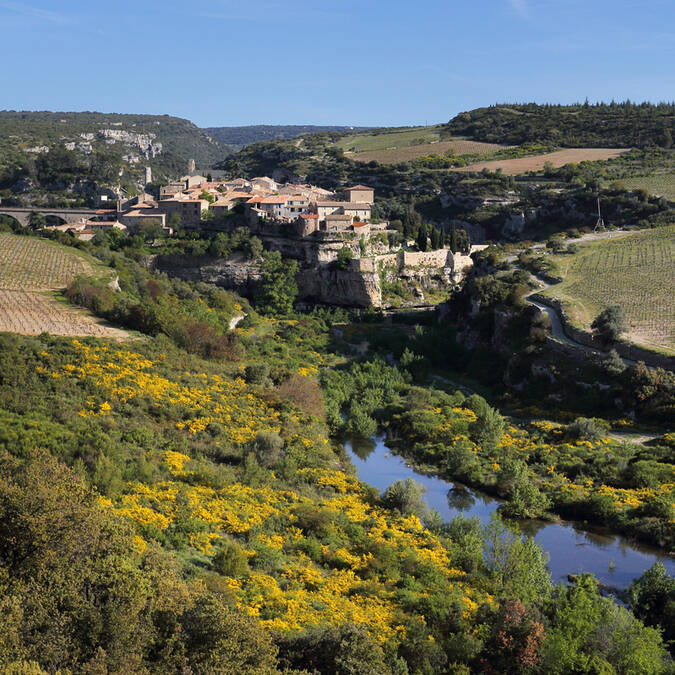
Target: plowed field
512 167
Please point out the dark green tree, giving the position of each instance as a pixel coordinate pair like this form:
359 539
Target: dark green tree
344 258
436 242
422 238
609 324
278 288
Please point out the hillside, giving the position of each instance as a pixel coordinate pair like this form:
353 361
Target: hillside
100 145
635 271
602 125
240 137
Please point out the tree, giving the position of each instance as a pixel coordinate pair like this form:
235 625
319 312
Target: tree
230 561
255 248
652 599
411 222
592 634
150 229
340 650
454 245
422 237
344 258
278 285
36 221
515 564
609 324
220 245
405 496
175 221
436 242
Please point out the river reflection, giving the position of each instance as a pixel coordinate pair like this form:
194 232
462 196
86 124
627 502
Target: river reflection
612 559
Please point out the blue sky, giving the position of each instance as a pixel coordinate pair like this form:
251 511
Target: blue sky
361 62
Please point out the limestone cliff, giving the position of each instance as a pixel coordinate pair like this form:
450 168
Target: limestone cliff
347 288
322 284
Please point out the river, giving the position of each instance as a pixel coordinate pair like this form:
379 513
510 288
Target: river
611 558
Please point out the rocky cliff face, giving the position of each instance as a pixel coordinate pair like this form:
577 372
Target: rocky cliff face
347 288
318 284
241 276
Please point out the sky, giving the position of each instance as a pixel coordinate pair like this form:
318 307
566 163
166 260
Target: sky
352 62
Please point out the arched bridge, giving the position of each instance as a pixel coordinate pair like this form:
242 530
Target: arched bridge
71 216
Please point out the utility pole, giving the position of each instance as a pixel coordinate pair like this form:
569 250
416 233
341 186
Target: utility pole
600 223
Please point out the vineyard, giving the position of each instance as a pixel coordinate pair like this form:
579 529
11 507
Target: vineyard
392 138
29 269
662 185
637 272
29 263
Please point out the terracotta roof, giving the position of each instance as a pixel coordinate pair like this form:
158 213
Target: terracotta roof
278 199
356 206
359 187
338 216
309 215
358 223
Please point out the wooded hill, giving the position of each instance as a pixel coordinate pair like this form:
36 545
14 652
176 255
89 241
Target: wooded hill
240 137
180 139
605 125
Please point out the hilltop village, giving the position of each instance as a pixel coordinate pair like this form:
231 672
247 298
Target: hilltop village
347 257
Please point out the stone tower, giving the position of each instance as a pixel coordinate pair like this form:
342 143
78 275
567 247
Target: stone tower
191 167
148 175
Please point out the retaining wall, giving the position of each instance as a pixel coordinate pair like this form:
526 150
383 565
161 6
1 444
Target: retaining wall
627 350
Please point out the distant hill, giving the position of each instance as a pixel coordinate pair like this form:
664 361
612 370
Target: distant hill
582 125
240 137
104 143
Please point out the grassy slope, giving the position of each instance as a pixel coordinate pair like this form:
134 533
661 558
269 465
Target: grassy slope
636 271
389 138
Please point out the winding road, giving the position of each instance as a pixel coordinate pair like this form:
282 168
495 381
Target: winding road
557 327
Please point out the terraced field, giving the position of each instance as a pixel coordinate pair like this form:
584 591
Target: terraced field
31 270
636 271
404 154
513 167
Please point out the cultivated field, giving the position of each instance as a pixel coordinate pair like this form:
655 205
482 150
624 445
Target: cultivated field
384 140
662 184
31 269
636 271
404 154
30 263
559 158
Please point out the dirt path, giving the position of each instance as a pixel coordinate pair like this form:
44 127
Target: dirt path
234 321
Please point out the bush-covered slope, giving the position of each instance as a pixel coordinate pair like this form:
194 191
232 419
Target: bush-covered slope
102 140
581 125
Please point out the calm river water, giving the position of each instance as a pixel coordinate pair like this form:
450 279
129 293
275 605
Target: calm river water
611 558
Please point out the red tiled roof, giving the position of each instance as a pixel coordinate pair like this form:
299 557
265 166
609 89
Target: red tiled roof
309 215
359 187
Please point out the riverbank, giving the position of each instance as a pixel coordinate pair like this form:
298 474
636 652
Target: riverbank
612 558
